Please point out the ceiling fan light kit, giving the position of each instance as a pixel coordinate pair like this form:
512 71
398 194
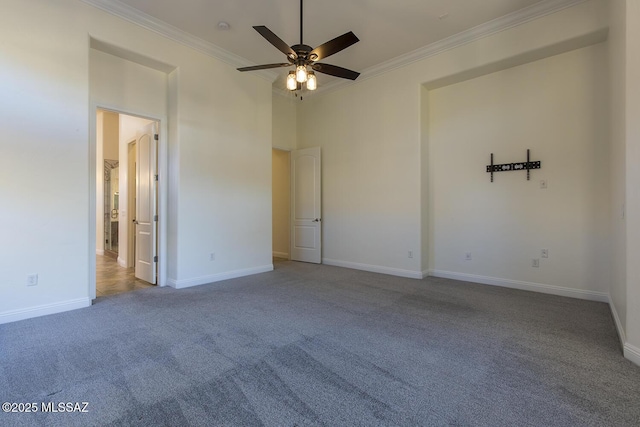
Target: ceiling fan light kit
312 81
301 73
304 58
292 84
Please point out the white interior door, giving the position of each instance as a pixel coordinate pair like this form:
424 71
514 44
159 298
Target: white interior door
131 203
146 213
306 224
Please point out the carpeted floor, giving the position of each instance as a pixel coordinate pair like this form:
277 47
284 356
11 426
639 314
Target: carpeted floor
309 345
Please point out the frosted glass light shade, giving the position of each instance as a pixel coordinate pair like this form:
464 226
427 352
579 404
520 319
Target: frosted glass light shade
312 81
301 73
292 84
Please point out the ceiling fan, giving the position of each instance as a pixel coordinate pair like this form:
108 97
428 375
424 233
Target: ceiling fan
303 56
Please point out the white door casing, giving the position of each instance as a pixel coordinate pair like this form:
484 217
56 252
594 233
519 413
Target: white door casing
146 212
306 209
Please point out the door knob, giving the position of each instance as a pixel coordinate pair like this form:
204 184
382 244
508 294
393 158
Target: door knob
317 220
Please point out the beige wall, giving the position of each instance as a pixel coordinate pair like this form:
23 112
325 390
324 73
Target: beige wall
632 138
285 119
217 162
617 131
373 143
281 185
624 87
557 108
111 132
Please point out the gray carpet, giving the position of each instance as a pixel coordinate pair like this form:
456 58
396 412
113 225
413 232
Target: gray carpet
309 345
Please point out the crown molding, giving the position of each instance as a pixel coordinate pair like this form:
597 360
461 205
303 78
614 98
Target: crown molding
522 16
535 11
137 17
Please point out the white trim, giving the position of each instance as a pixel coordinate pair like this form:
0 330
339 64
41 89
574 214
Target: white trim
632 353
287 149
374 268
137 17
100 252
616 319
425 274
187 283
519 17
281 255
122 262
44 310
525 286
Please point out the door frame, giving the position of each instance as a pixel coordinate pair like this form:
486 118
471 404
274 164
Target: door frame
163 191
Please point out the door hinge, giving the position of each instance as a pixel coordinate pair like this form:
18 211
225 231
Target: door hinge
155 258
156 177
155 218
155 136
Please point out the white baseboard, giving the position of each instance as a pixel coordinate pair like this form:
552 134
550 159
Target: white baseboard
100 252
632 353
374 268
281 255
525 286
187 283
122 262
616 319
43 310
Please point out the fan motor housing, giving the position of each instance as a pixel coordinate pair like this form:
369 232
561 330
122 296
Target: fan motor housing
302 50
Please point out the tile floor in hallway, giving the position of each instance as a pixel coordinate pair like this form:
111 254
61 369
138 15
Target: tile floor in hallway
113 279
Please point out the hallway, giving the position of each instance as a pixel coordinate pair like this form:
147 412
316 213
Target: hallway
112 279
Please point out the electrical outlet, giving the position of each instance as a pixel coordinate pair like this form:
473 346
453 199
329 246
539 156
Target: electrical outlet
467 256
410 254
535 263
32 280
544 253
212 256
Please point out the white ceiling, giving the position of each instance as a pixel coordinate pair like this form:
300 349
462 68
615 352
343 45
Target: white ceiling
387 29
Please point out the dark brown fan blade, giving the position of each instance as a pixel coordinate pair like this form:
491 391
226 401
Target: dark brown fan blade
334 70
333 46
264 67
276 41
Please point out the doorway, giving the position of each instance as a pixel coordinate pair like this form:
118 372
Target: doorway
111 207
281 203
126 193
296 205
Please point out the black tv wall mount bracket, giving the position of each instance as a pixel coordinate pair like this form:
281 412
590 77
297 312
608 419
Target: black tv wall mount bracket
506 167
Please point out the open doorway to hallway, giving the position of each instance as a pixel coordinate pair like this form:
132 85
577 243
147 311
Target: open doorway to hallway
126 202
113 279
